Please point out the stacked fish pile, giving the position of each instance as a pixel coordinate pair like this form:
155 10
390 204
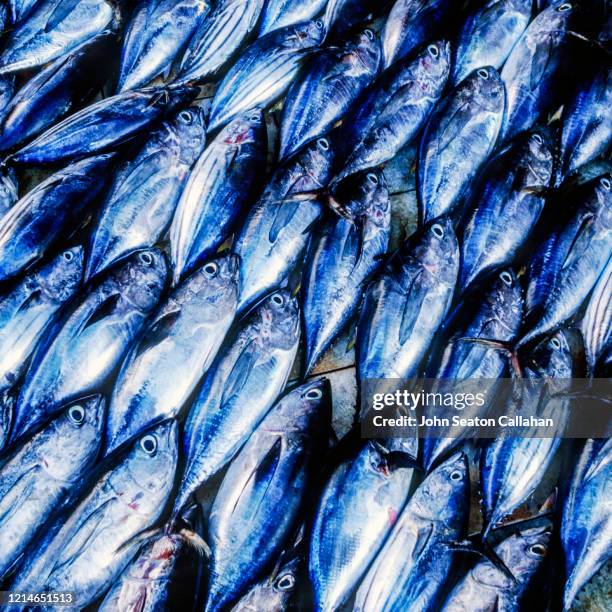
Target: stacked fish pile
203 231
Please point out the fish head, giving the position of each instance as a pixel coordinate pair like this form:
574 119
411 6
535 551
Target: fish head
525 550
74 437
485 88
433 66
602 187
316 161
306 34
436 248
188 128
172 96
538 158
61 277
556 16
279 320
8 185
376 203
143 278
559 355
245 129
506 299
368 50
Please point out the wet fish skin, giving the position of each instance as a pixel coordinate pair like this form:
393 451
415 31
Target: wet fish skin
458 138
36 477
264 489
53 207
49 96
341 16
282 13
406 304
178 344
145 190
7 90
156 35
505 207
9 190
19 9
54 28
224 178
239 389
343 258
485 587
31 307
566 266
86 550
531 72
264 71
327 87
419 544
489 34
218 37
88 343
7 404
391 112
357 510
104 124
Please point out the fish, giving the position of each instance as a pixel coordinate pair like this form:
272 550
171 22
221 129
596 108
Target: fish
497 317
406 304
37 476
179 343
570 259
9 189
224 178
31 307
86 345
53 208
486 587
19 9
488 35
104 124
7 91
264 490
341 16
531 72
264 71
585 527
458 138
419 544
53 93
586 130
282 13
7 403
392 111
356 512
218 38
343 258
239 390
155 37
505 206
84 551
329 84
55 28
145 190
410 24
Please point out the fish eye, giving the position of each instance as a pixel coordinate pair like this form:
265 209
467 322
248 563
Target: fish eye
506 278
369 34
211 269
278 299
286 582
538 138
254 116
372 178
456 476
438 230
146 258
319 24
483 73
314 394
605 182
564 7
323 143
68 255
556 343
433 50
76 414
186 116
149 444
538 549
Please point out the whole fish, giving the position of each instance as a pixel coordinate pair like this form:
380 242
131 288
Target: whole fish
596 324
410 24
239 390
86 550
505 206
223 180
586 123
498 317
145 190
9 190
178 344
264 489
342 15
218 38
55 28
586 526
282 13
328 86
34 304
458 138
531 72
38 475
404 307
60 87
419 544
355 514
570 259
486 588
392 111
104 124
7 404
343 257
156 35
54 207
84 348
265 70
489 34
